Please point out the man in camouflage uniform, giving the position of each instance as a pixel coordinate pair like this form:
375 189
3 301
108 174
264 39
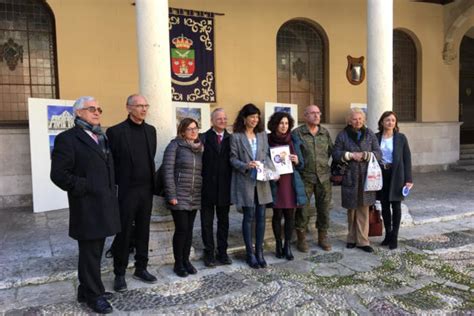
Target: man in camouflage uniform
317 148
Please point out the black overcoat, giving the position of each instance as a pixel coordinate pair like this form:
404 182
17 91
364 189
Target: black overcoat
119 139
401 166
216 169
79 167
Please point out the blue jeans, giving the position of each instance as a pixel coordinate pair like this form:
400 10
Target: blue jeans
252 213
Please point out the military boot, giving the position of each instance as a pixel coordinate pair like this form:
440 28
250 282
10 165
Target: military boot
323 241
301 243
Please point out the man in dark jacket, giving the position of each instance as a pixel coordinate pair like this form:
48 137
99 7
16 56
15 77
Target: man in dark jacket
133 145
215 197
82 165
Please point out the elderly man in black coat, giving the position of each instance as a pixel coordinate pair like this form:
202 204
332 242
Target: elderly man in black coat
133 146
82 165
215 197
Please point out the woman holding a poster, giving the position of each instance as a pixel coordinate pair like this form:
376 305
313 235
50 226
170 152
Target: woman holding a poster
288 191
249 157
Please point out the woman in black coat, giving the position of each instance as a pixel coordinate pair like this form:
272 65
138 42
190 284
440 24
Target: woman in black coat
396 172
182 167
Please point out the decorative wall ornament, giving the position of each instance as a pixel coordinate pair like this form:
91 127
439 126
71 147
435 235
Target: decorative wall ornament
299 69
449 54
355 71
192 57
11 52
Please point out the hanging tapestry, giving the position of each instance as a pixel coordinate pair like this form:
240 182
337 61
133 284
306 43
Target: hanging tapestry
192 58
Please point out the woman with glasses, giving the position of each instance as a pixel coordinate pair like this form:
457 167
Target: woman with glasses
182 165
249 151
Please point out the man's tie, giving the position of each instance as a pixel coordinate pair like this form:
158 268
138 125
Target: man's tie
219 139
94 136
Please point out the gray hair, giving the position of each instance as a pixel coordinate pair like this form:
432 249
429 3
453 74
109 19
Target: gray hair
79 104
354 111
215 111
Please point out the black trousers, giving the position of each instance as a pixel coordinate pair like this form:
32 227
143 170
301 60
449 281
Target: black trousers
90 281
289 215
183 235
207 228
135 207
391 218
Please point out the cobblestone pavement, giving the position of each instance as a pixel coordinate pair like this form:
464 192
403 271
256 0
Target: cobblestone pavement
433 274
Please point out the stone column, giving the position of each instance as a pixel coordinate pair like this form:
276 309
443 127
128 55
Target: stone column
154 67
155 85
379 59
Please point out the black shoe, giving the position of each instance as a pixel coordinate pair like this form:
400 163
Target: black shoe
278 249
190 268
180 271
81 298
366 248
209 261
387 239
252 261
260 259
287 251
350 245
108 295
144 275
224 259
120 285
393 243
101 306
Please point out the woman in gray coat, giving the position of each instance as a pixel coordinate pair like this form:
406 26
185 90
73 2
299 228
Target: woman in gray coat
182 165
249 148
353 146
396 173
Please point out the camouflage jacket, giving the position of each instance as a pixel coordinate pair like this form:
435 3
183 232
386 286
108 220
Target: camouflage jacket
316 152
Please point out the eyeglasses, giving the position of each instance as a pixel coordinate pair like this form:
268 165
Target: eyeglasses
93 109
192 129
315 113
141 106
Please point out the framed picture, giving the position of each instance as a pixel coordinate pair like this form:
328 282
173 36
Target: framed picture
271 107
199 111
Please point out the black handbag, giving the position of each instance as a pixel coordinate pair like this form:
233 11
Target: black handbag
159 182
338 170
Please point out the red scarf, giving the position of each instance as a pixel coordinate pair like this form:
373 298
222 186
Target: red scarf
275 140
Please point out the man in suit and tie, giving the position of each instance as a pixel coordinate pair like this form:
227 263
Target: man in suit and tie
82 165
133 146
215 196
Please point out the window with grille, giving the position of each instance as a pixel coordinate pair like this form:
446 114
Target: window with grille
404 76
301 66
27 57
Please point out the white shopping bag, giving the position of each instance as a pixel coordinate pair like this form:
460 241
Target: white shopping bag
373 181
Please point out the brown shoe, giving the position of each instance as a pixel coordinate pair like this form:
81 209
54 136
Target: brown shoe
301 244
323 241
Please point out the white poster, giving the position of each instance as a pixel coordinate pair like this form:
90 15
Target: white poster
47 118
281 159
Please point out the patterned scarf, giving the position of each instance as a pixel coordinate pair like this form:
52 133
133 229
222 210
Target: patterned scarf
103 142
356 135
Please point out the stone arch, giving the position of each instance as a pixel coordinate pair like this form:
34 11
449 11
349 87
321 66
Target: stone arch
461 24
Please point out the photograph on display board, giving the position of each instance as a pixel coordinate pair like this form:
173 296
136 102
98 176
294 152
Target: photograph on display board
194 113
285 109
60 117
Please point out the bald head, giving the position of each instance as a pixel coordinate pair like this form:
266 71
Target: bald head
312 115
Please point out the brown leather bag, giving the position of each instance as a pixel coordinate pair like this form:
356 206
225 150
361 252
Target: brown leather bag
375 222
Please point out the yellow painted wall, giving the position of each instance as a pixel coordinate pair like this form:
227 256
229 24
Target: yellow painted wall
97 51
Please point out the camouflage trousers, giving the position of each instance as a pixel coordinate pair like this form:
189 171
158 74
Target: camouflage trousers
322 196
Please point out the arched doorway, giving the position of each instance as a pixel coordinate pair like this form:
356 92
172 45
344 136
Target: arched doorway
466 87
301 66
404 76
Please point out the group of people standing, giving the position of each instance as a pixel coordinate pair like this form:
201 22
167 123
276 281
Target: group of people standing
110 183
